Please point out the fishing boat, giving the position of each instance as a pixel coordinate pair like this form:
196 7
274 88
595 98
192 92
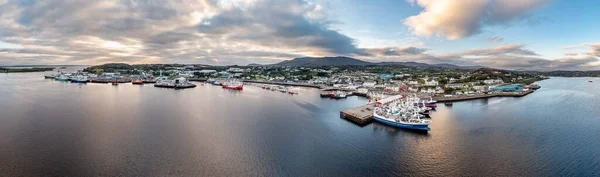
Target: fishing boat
402 121
402 114
233 85
183 83
62 77
431 104
326 94
79 79
339 95
137 81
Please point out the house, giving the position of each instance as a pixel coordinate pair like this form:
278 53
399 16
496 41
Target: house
413 89
456 85
207 71
481 88
493 81
431 82
369 83
235 70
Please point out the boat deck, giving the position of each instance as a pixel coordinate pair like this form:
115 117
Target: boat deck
361 115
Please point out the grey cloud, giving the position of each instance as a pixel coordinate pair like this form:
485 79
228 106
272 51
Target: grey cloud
278 23
165 31
395 51
495 39
512 56
515 49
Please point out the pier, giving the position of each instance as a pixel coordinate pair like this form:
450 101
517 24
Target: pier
284 83
474 97
361 115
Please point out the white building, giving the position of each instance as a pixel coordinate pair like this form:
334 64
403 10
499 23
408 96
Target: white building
456 85
235 70
493 81
431 82
369 83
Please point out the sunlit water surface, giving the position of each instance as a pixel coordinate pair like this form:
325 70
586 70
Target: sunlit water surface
51 128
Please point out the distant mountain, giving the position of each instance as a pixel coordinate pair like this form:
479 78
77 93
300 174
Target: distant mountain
254 64
323 61
342 61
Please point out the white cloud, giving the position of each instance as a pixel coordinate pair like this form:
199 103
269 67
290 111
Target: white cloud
456 19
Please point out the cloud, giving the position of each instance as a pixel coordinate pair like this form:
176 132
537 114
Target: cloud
395 51
455 19
185 31
510 56
509 49
593 49
495 39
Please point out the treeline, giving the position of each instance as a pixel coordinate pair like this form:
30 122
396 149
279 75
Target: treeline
571 73
19 70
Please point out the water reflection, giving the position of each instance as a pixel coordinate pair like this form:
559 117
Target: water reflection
52 128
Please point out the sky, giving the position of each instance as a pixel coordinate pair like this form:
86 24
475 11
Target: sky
506 34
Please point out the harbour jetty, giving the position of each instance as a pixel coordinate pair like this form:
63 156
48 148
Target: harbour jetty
455 98
361 115
284 83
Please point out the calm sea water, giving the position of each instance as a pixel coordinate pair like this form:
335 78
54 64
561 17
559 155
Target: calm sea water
50 128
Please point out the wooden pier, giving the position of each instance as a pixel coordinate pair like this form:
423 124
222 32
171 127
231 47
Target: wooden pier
361 115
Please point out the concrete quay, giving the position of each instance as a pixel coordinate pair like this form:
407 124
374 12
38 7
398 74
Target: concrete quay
361 115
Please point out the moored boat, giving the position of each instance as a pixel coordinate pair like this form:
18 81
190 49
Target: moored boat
51 76
137 81
233 85
339 95
79 79
403 122
62 78
403 114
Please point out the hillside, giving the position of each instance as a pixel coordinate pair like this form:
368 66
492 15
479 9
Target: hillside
323 61
347 61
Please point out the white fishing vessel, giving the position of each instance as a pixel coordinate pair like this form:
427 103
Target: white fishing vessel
402 113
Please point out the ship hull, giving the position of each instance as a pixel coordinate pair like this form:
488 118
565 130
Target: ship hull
79 81
234 87
401 125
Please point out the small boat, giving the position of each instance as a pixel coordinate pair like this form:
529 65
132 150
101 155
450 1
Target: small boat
292 92
114 82
590 81
325 94
448 103
137 81
51 76
339 95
